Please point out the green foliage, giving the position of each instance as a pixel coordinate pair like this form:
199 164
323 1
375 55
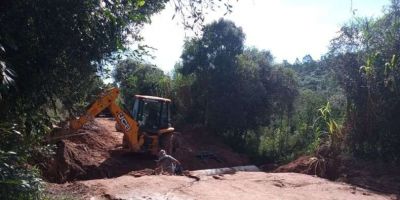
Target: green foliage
305 121
52 54
240 95
134 77
233 91
298 129
193 13
182 98
17 181
365 57
63 43
276 142
211 60
328 129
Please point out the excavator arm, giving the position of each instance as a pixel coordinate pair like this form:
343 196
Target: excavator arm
128 125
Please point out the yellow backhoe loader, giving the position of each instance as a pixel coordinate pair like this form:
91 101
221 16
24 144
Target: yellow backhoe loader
146 129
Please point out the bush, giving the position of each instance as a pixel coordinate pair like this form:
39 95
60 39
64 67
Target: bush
18 180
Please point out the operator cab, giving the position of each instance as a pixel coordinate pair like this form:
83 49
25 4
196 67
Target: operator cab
152 114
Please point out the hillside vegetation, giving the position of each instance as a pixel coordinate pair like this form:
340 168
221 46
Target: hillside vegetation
54 54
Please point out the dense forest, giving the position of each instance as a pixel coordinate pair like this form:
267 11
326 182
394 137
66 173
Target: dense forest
53 56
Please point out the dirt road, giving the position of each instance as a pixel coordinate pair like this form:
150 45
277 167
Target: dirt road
94 167
241 185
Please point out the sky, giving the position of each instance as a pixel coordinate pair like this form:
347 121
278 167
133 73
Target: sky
290 29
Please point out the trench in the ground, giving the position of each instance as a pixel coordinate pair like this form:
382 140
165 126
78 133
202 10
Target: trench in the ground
69 165
93 154
120 163
97 153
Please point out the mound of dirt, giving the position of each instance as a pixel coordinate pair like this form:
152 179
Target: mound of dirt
96 152
78 157
322 167
377 176
374 175
200 150
300 165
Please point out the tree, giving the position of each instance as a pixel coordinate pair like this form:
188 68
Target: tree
210 58
234 90
134 77
365 56
54 51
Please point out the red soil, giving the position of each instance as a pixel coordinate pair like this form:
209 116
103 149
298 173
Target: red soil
98 154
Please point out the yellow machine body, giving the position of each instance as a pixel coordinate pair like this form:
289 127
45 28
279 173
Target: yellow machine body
133 137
